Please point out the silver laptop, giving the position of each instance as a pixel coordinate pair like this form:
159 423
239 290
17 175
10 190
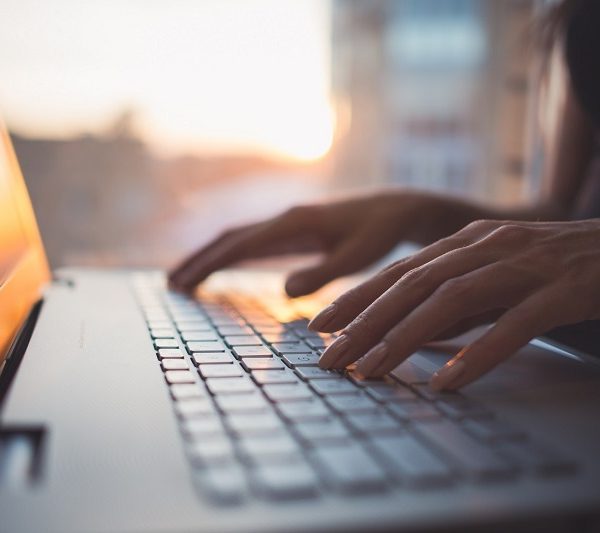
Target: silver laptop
128 408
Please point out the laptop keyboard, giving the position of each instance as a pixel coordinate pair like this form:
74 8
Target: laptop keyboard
260 419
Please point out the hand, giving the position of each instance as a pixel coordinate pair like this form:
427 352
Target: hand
529 277
352 234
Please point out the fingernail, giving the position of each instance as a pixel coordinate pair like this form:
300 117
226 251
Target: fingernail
446 375
371 361
332 354
323 318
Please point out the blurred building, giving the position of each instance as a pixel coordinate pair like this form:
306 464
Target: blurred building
432 93
107 199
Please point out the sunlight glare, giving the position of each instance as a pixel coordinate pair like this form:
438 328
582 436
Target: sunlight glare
216 76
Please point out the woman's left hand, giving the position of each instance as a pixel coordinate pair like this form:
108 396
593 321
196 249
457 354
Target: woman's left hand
528 277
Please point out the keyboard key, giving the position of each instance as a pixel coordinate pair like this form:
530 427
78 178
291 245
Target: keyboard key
192 325
230 385
217 358
210 347
262 364
169 353
243 403
162 333
220 371
301 359
179 376
202 427
200 336
353 404
410 411
235 330
318 343
491 430
291 348
211 451
314 372
462 407
266 377
426 392
334 386
313 409
373 423
269 327
195 408
166 343
252 423
243 340
152 316
252 351
319 432
391 393
223 484
286 481
535 458
226 321
280 337
174 364
411 461
186 391
159 324
409 373
349 469
196 329
268 448
287 392
300 327
475 459
190 315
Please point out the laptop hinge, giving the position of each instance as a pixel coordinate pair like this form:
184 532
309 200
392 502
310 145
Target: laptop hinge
15 353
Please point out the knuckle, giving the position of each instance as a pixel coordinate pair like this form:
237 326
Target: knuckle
361 327
226 233
455 288
510 232
352 299
417 278
478 226
296 213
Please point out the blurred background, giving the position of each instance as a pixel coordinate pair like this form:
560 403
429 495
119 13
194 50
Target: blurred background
144 127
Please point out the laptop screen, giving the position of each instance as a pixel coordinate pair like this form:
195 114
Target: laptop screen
23 267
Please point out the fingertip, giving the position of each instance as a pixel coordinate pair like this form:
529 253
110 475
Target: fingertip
449 376
322 319
297 286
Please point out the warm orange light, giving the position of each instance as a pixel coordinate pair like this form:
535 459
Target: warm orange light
23 267
205 77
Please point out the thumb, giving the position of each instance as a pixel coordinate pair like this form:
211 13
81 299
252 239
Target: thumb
350 256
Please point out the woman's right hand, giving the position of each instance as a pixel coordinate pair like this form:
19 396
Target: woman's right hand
351 233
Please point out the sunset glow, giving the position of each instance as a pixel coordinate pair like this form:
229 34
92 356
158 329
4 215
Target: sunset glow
211 76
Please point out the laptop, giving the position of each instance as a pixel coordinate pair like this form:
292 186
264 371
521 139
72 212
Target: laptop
126 408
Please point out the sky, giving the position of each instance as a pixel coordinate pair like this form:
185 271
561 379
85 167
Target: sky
206 76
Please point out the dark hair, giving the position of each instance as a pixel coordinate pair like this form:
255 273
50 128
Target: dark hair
551 25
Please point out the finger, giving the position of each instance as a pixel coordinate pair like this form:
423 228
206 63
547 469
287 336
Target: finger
353 254
178 273
394 304
350 304
468 324
216 255
255 241
542 311
454 301
482 236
